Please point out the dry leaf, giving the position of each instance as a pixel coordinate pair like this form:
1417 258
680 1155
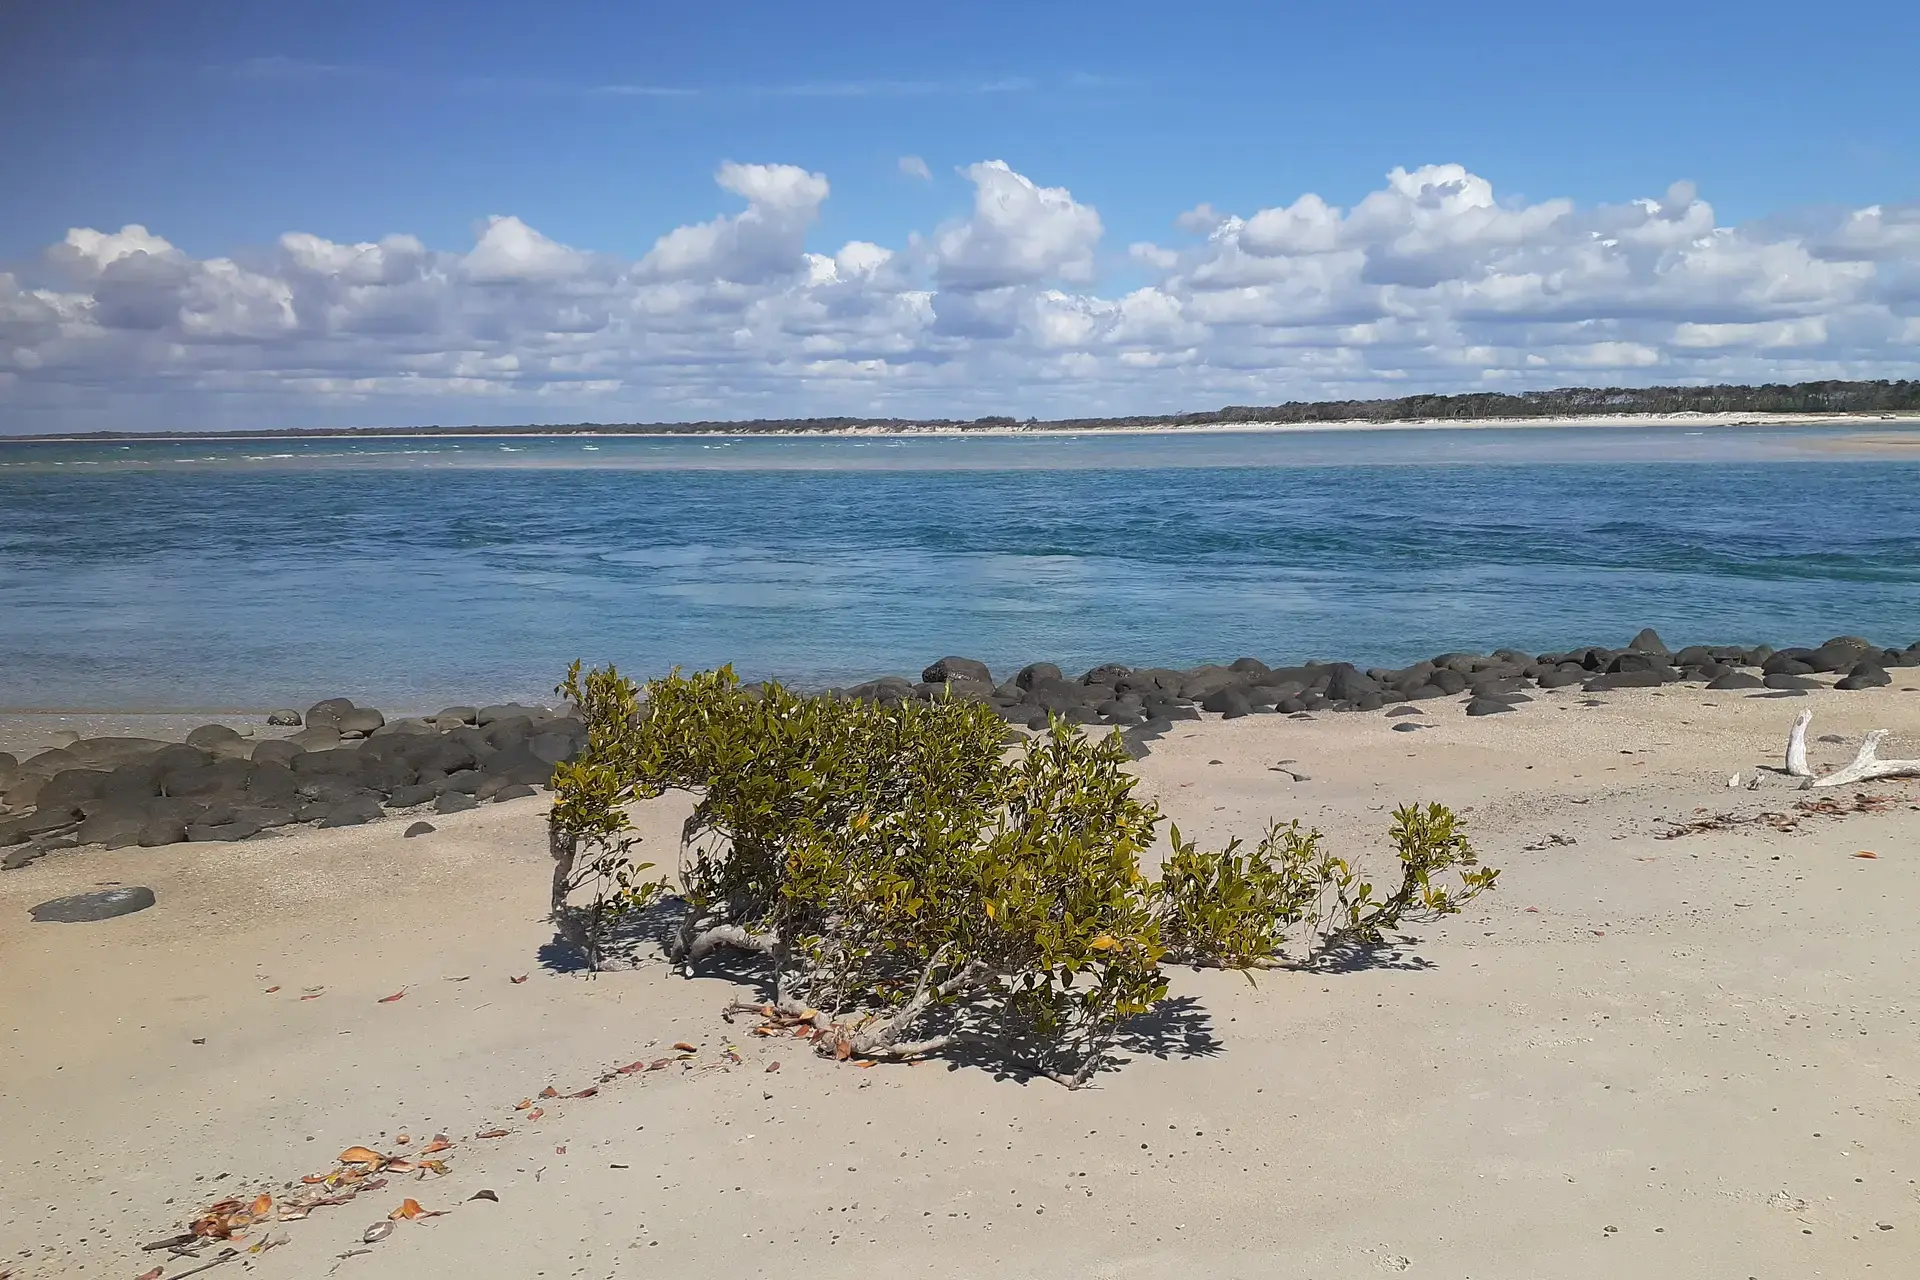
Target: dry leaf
437 1167
587 1092
491 1133
409 1208
485 1194
395 996
535 1114
401 1166
523 1104
360 1155
1864 854
549 1092
271 990
376 1233
772 1067
439 1143
154 1274
261 1206
517 981
313 1178
863 1062
684 1047
658 1063
313 995
630 1068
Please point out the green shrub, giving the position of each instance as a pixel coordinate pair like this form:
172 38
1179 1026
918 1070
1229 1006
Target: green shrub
913 885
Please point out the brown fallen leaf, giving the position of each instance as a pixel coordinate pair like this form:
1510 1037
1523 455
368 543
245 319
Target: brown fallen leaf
395 996
436 1167
517 981
271 990
313 995
772 1067
535 1114
658 1063
523 1104
684 1047
262 1205
559 1151
485 1193
842 1050
630 1068
409 1208
439 1143
549 1092
1864 854
587 1092
360 1155
491 1133
313 1178
154 1274
402 1139
401 1166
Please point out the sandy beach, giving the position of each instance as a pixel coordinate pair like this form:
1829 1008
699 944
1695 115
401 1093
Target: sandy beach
1644 1056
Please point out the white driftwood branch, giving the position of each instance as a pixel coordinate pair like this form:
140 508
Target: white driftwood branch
1867 765
1797 747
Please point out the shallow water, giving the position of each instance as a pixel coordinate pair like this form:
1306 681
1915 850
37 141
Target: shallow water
404 572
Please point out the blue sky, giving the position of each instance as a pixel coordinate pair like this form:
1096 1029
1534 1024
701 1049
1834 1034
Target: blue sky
221 127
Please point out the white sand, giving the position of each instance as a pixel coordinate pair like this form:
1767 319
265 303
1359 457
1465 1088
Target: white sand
1639 1058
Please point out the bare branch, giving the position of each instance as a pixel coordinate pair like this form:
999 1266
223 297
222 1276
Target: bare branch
1797 747
1867 765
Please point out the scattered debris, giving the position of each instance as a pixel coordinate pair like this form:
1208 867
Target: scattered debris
377 1232
485 1193
1785 821
395 996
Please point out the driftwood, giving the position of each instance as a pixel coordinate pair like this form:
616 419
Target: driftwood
1865 766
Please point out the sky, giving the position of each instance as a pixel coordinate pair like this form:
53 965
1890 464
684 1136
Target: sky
228 216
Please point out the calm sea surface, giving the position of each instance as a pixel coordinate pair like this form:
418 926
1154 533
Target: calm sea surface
408 572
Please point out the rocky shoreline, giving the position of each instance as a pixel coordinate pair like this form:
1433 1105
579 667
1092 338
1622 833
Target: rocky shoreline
346 765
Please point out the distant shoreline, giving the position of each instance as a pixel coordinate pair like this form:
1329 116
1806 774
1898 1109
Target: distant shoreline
954 430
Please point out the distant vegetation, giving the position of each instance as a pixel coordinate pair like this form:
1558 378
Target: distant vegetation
1799 397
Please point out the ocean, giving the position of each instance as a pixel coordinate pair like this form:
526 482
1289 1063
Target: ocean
410 572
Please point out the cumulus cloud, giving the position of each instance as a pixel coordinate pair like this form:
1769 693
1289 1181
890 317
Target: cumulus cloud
1433 281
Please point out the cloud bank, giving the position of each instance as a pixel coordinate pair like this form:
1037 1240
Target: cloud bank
1017 305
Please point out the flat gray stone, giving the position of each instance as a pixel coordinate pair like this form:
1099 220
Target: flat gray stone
420 829
84 908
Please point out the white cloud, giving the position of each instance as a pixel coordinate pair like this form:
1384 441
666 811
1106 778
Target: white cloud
915 167
1019 234
1432 282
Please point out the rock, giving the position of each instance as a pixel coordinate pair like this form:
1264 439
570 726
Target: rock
513 791
66 789
114 830
315 737
1403 711
1231 702
555 748
1560 678
1632 661
284 718
509 710
1649 641
1407 726
1036 671
85 908
421 828
359 722
64 738
957 669
407 797
1610 680
1736 680
1785 680
279 751
454 717
1864 676
454 802
1348 685
408 727
352 813
1486 707
237 829
207 735
20 829
326 713
21 855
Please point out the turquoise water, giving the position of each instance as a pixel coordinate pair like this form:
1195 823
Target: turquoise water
406 572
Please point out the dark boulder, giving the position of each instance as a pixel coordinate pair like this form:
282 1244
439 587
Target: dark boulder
1345 684
1864 676
327 712
454 802
1249 667
285 718
1107 673
1403 711
352 813
315 737
86 908
1735 680
407 797
1448 681
1036 671
1560 678
947 669
1649 641
279 751
512 791
67 788
1407 726
421 828
114 830
1610 680
1787 680
208 736
509 710
1487 707
454 717
237 829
